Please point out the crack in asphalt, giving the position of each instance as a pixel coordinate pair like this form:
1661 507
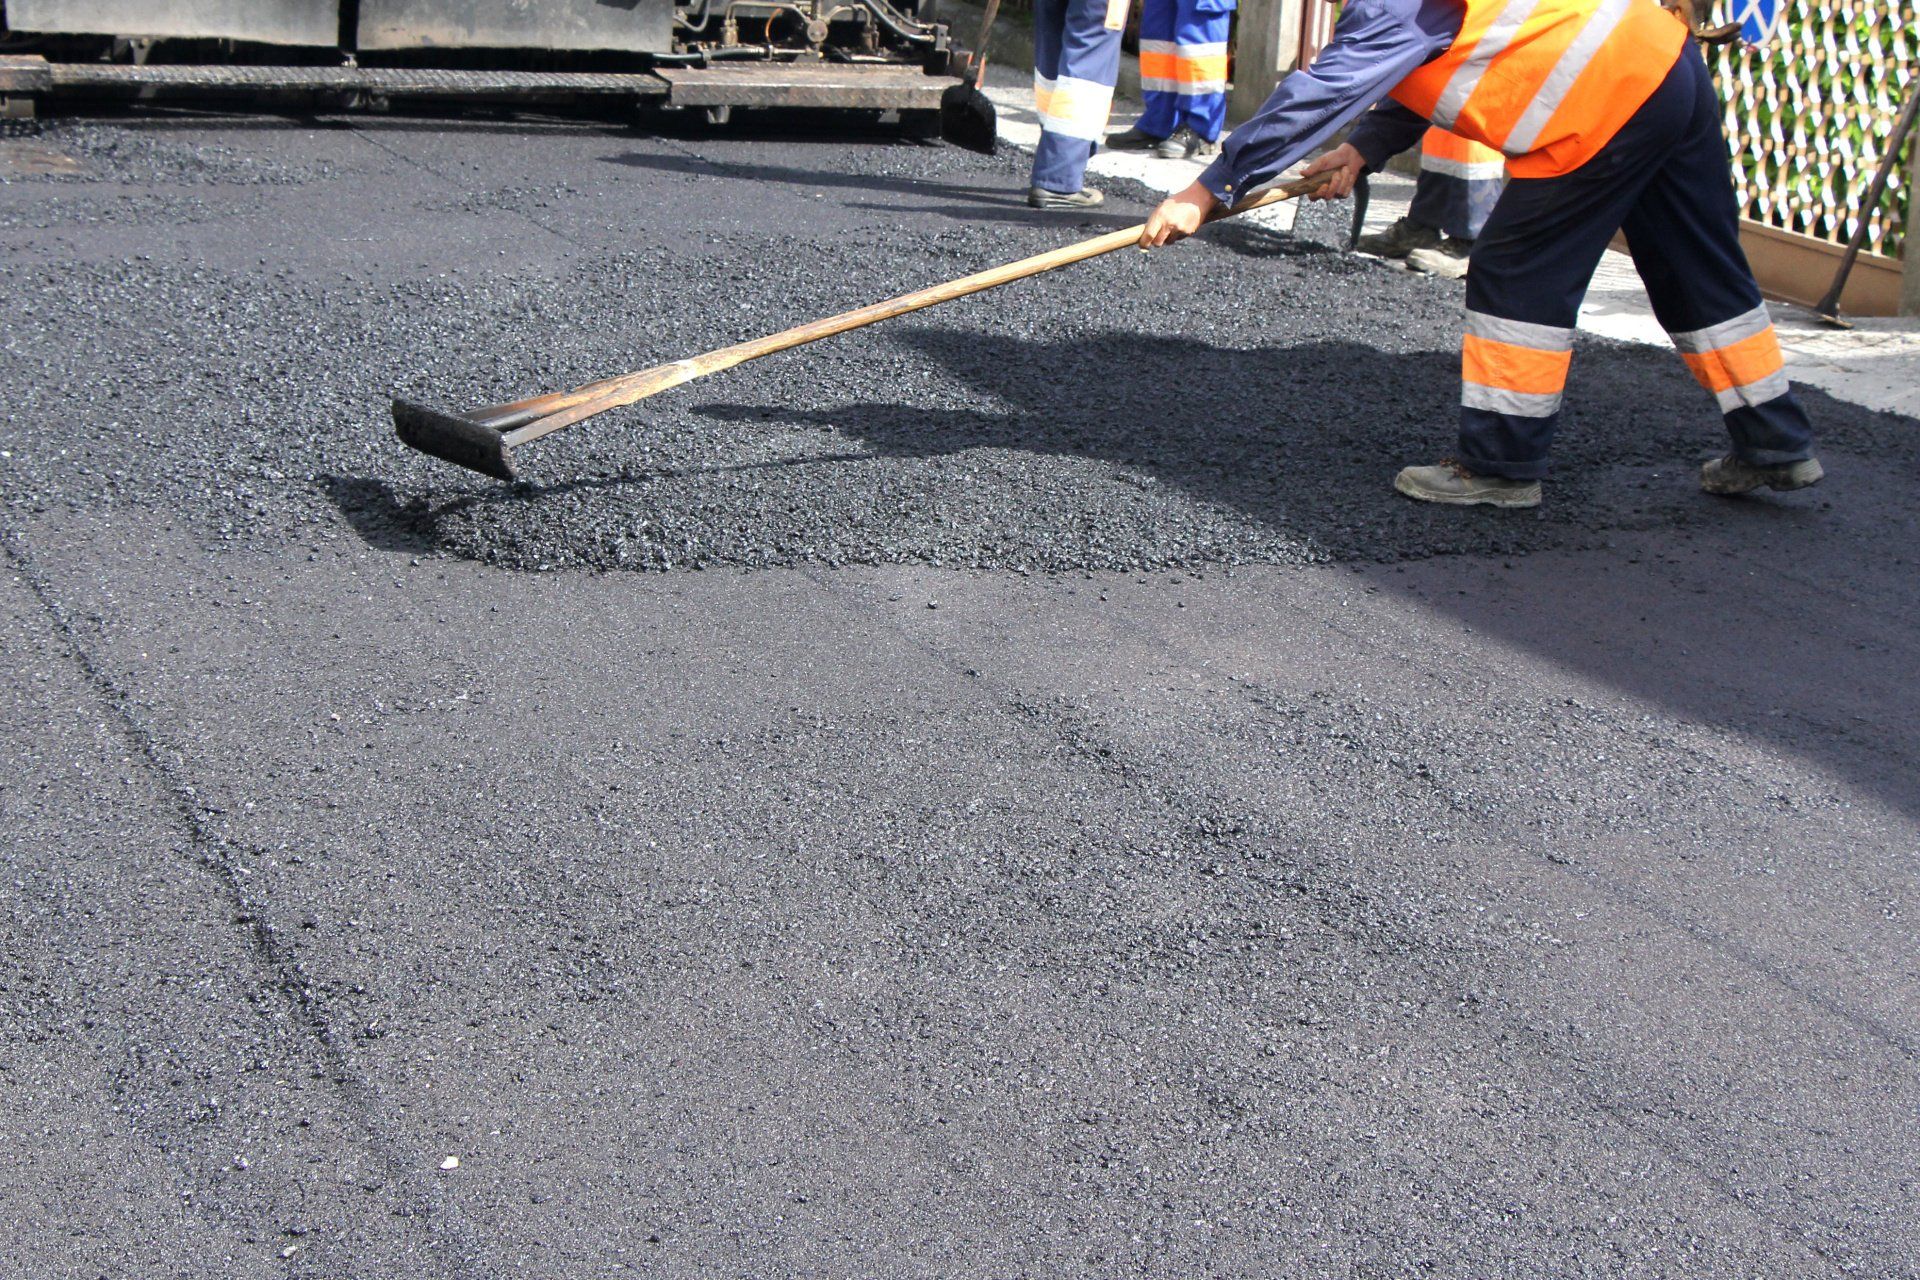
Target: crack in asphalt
281 974
366 137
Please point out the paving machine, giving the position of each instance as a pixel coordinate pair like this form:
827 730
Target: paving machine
706 55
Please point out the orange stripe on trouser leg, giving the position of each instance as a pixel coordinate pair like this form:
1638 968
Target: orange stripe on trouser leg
1185 70
1738 365
1158 66
1076 108
1527 370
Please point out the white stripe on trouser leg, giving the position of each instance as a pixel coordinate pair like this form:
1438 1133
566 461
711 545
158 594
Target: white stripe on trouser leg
1518 404
1519 333
1466 78
1754 394
1188 88
1072 107
1553 91
1714 337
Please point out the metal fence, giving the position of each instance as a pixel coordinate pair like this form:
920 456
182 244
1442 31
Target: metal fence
1808 114
1316 27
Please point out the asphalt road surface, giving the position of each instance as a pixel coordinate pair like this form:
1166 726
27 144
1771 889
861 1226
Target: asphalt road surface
1008 793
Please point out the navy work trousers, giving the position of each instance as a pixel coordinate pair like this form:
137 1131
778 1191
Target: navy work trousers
1663 180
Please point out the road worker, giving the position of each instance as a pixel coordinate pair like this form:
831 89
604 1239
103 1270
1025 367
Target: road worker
1609 122
1459 182
1076 58
1183 77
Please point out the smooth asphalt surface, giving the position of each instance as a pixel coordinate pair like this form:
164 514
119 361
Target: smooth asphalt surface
1008 793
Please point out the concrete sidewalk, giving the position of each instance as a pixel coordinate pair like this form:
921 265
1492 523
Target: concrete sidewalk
1876 364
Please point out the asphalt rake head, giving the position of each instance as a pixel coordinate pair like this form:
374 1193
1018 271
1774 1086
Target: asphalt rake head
465 441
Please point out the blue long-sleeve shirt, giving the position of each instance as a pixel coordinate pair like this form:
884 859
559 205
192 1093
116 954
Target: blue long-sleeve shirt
1375 46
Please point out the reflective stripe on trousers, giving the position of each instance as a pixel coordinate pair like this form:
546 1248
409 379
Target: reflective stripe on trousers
1739 360
1510 366
1072 107
1167 67
1460 182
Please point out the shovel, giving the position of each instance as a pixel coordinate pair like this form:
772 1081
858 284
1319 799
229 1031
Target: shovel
484 439
967 117
1828 308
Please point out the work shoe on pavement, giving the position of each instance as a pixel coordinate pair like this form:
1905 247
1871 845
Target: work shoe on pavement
1183 144
1451 483
1448 259
1730 475
1398 240
1132 140
1085 198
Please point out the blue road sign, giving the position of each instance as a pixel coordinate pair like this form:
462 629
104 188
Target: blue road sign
1758 18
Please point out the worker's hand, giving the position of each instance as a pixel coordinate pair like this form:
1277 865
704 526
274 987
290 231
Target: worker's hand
1178 216
1345 164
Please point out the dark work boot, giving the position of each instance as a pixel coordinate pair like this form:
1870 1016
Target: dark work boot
1131 140
1184 145
1398 240
1729 475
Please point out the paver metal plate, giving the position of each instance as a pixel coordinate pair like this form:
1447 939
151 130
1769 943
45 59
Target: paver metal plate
425 81
315 22
632 26
24 74
763 84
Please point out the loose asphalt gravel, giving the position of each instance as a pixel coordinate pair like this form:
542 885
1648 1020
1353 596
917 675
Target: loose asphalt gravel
1081 823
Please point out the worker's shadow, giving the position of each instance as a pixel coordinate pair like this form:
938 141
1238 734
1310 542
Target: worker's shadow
1628 574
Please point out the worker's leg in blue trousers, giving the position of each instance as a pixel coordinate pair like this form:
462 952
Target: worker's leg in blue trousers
1684 233
1162 114
1183 66
1076 57
1536 256
1460 183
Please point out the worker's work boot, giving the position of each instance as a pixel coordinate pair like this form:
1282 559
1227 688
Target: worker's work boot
1185 144
1729 475
1448 259
1085 198
1398 240
1451 483
1132 140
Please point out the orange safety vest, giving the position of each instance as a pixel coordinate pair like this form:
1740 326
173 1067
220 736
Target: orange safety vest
1547 82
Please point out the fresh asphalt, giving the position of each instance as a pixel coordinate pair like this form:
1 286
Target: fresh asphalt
1007 793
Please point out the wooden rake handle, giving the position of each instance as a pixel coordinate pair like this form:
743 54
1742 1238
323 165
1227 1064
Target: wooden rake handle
980 45
566 408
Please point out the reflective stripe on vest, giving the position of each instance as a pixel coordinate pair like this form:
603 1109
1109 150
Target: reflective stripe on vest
1547 82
